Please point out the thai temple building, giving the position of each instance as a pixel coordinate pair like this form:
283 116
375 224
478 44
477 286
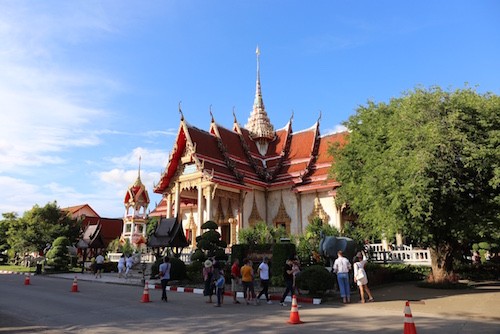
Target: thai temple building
240 176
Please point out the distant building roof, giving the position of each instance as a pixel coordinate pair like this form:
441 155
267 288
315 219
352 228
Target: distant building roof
168 233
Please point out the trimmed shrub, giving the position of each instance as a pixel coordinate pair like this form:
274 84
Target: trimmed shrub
316 279
194 272
58 256
281 252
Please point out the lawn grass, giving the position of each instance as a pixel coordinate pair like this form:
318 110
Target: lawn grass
18 269
23 269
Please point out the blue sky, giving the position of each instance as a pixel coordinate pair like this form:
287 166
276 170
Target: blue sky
86 87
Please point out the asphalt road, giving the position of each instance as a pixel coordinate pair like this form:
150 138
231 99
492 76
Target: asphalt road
47 305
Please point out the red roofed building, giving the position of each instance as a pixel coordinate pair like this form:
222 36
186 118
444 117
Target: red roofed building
97 232
244 175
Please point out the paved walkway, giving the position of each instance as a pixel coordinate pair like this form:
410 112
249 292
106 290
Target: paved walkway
474 310
481 301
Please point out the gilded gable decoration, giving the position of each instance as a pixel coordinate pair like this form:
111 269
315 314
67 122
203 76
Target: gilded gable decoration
193 228
282 218
254 215
230 214
318 211
219 215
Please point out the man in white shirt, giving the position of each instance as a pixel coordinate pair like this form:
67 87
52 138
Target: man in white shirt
263 271
99 265
341 267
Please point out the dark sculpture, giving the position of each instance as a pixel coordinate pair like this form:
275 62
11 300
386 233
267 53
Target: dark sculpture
330 245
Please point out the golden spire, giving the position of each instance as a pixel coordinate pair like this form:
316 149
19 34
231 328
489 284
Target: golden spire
258 124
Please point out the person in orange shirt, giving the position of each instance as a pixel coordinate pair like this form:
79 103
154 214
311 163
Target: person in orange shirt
247 276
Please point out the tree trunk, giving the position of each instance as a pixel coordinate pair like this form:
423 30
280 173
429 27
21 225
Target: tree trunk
442 264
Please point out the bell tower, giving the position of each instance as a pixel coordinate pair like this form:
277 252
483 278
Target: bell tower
134 221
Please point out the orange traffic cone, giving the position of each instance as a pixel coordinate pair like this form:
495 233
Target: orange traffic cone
409 325
294 313
74 287
27 279
145 294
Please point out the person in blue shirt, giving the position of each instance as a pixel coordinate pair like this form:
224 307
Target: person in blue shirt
165 276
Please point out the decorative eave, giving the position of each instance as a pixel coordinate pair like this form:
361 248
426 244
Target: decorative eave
214 130
183 150
314 153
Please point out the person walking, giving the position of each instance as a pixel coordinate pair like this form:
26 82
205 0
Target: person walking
288 277
220 283
164 272
247 276
263 272
361 279
208 276
341 267
129 264
235 279
99 265
121 266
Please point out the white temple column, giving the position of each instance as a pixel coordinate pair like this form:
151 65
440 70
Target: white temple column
200 210
169 206
177 199
208 195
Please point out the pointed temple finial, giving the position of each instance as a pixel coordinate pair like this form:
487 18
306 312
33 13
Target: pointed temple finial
139 172
319 118
211 115
259 126
180 111
138 180
234 116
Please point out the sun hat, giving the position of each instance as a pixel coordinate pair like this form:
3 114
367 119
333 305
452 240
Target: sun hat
208 264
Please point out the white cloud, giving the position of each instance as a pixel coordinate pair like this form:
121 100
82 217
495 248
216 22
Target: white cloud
338 128
149 158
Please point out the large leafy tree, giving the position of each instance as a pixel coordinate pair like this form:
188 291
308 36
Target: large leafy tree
426 164
41 226
8 219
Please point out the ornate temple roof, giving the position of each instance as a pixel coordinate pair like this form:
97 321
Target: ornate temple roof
137 194
255 156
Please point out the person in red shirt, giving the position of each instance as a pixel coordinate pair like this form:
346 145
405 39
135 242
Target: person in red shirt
235 279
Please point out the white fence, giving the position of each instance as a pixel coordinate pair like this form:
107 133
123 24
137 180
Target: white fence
404 254
138 258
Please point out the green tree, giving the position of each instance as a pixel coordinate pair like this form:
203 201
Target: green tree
9 219
261 233
427 165
58 256
210 242
308 242
41 226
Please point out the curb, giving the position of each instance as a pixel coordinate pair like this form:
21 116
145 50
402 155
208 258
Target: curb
305 300
173 288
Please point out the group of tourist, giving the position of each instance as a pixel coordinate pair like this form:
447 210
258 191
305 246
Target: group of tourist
125 264
214 280
242 278
342 267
